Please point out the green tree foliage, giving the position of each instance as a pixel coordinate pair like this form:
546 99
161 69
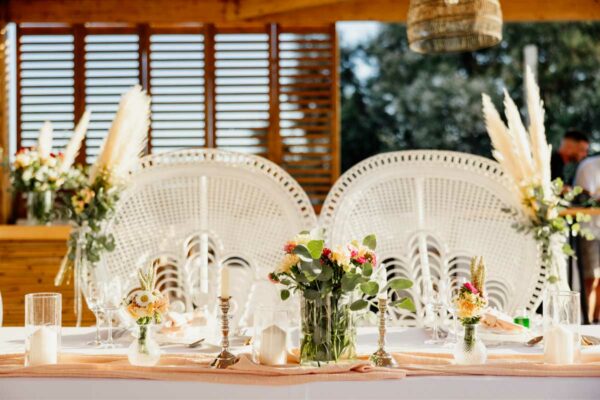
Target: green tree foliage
415 101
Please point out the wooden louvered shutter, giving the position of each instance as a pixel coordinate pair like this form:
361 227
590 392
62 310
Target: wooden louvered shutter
308 108
111 68
270 91
44 84
242 90
177 88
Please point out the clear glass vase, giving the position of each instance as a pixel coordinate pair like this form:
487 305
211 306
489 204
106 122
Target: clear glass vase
469 349
144 351
39 207
327 333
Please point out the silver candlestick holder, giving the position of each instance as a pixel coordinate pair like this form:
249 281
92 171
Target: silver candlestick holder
225 357
381 358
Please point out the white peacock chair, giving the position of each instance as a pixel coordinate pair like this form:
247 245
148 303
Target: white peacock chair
191 211
432 211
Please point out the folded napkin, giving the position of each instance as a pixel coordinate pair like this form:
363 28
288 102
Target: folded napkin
498 321
195 367
176 323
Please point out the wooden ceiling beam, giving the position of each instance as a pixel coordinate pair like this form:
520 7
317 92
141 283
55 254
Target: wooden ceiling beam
247 9
286 12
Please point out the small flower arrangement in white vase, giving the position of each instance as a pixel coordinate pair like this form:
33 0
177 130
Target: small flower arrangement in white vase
146 305
470 304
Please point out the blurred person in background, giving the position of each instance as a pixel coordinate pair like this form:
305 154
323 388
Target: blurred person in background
588 177
573 148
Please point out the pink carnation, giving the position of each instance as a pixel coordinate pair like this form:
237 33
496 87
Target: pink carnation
469 286
360 260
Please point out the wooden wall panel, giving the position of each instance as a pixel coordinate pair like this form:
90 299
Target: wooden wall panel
30 266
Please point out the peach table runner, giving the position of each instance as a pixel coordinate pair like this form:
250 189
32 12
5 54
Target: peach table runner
194 367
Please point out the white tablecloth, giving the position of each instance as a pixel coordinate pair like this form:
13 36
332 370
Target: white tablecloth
448 387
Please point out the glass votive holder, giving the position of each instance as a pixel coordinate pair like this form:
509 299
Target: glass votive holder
43 312
562 323
270 340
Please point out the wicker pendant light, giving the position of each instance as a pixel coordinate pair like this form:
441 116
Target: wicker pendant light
444 26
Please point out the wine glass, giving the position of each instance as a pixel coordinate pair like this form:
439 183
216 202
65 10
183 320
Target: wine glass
434 300
92 295
110 290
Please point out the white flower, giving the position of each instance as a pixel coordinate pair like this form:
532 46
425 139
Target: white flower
144 297
51 162
27 175
305 237
22 160
41 173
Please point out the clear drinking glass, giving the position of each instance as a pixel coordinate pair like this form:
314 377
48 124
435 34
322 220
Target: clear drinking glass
562 322
270 340
43 312
110 297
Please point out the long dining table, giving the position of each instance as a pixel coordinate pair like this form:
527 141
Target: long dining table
399 340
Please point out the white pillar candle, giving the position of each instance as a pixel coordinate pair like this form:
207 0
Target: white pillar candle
559 345
43 347
224 282
273 346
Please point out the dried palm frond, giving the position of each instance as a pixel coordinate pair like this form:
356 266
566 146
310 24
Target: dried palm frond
524 155
126 139
74 144
44 143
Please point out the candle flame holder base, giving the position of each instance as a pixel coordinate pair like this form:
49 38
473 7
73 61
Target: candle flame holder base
381 358
225 358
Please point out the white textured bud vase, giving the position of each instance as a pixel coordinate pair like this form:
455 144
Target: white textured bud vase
469 350
144 351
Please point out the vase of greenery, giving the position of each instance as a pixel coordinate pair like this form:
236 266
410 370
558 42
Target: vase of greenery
333 284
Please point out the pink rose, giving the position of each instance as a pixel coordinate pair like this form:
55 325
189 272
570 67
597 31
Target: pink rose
469 286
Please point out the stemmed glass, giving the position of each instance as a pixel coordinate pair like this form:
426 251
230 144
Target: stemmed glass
110 290
434 301
92 295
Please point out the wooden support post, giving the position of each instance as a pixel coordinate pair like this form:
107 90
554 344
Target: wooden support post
274 134
335 118
210 112
144 69
5 194
79 33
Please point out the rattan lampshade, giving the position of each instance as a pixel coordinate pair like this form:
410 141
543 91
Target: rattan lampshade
444 26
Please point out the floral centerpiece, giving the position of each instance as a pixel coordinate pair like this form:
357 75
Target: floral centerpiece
92 200
39 173
524 155
470 303
332 283
146 305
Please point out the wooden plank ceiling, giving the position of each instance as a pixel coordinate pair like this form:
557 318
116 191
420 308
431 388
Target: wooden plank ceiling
287 12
